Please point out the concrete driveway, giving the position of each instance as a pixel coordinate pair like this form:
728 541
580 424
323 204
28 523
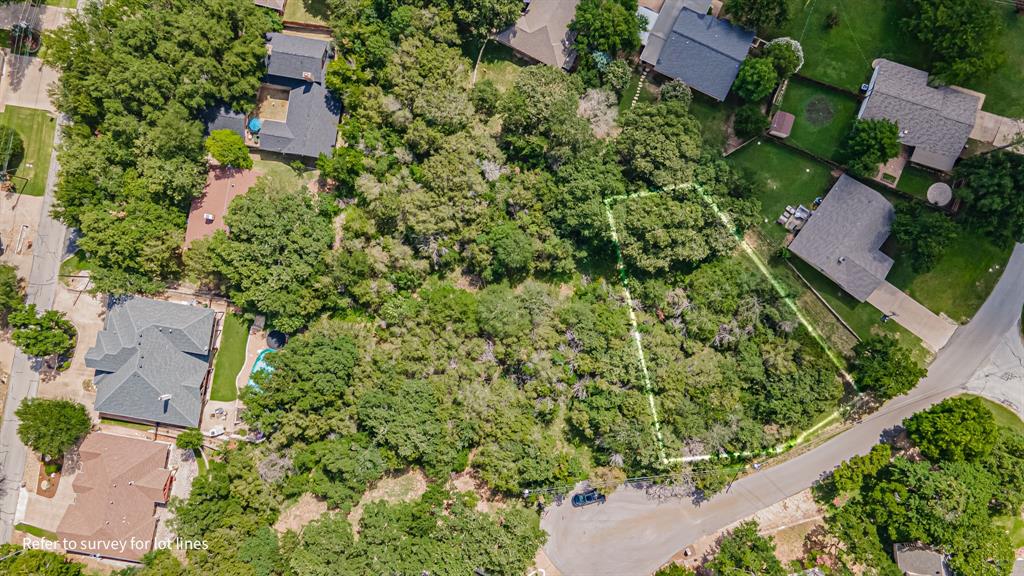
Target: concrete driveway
26 82
934 330
1001 378
633 535
997 130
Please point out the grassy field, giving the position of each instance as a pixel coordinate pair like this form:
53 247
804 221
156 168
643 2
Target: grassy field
782 177
915 181
864 318
867 29
823 117
960 281
307 11
712 116
230 358
36 128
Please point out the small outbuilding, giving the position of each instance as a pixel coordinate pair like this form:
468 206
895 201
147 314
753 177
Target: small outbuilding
782 124
920 560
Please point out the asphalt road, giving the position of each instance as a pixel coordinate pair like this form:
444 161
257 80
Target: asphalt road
632 535
48 252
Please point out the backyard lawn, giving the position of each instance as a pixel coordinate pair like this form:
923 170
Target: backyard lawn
306 11
230 358
915 181
712 116
1002 88
823 117
36 128
782 178
959 282
498 63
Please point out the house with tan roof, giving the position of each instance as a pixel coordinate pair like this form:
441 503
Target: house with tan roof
542 33
119 484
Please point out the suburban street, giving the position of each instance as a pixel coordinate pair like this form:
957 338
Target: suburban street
632 535
50 245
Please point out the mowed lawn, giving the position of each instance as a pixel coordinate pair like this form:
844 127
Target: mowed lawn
307 11
497 64
960 281
36 129
230 358
823 117
867 29
916 181
712 116
782 177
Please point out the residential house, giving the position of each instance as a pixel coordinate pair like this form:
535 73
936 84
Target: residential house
275 5
688 44
118 485
542 33
920 560
152 362
295 114
934 122
206 214
842 239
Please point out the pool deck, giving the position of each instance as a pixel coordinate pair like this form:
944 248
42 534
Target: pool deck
256 342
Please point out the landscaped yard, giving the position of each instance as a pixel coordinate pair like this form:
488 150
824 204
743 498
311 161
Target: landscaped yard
230 358
782 177
712 116
960 281
870 29
915 181
36 128
823 117
306 11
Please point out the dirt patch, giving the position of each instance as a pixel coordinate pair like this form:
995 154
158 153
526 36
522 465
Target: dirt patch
600 109
819 111
272 103
404 488
307 509
467 481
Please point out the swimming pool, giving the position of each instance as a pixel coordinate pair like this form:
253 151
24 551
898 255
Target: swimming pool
260 365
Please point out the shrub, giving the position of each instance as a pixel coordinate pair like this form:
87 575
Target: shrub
870 143
750 121
484 97
787 55
832 20
228 148
191 439
677 91
617 75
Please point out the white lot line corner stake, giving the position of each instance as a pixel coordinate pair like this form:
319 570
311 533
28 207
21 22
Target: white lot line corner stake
726 221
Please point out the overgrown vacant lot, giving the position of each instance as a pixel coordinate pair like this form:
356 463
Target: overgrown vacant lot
870 29
823 117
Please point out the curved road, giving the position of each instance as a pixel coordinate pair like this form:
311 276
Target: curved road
631 535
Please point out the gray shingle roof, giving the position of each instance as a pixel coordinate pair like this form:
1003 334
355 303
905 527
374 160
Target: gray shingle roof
291 56
148 349
542 32
311 126
843 236
936 121
701 50
224 118
920 560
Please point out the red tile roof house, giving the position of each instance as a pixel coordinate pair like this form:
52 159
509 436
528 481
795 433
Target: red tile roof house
119 483
223 185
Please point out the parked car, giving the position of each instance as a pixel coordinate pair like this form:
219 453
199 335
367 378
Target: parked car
587 498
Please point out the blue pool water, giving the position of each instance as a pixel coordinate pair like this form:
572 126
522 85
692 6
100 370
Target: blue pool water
260 366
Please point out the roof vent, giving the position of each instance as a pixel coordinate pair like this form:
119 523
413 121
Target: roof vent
165 397
842 259
307 76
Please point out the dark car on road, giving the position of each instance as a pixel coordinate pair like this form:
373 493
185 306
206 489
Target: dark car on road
587 498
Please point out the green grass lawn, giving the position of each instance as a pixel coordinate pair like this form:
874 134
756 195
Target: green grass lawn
867 29
1002 89
230 358
1014 527
823 117
36 128
307 11
863 318
276 166
960 281
75 265
36 531
62 3
498 63
122 423
1003 415
783 178
712 116
915 181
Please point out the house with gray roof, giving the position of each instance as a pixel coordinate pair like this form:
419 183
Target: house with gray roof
842 239
688 44
934 122
295 114
542 33
152 360
920 560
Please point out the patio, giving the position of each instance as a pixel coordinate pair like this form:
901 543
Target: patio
272 104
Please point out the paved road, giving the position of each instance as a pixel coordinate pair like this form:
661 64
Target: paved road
49 248
631 535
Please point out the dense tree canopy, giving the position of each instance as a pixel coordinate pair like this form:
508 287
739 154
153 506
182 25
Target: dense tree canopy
228 148
953 430
962 34
744 551
759 15
45 334
609 26
17 562
870 143
991 191
923 234
881 365
756 79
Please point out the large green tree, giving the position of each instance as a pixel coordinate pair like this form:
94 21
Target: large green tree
609 26
660 144
756 79
881 365
870 143
955 429
228 148
759 15
15 561
963 36
924 234
43 334
52 427
10 291
744 551
274 260
991 190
